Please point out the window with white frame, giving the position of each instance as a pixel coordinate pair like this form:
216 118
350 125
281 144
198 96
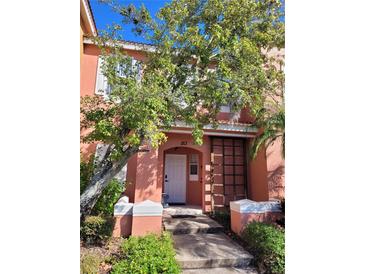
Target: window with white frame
194 167
102 87
225 109
135 65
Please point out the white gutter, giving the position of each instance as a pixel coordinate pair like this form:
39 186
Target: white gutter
231 130
124 45
211 133
242 128
89 17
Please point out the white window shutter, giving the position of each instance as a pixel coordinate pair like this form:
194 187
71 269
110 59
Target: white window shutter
101 86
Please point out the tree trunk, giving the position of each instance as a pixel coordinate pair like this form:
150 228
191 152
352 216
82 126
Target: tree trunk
100 180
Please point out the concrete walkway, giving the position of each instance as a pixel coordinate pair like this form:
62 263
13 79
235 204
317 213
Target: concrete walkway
220 270
192 225
202 247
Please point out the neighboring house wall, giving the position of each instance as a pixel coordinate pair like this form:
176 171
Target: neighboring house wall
275 170
257 178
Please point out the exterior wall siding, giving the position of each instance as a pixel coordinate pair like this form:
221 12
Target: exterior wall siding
275 171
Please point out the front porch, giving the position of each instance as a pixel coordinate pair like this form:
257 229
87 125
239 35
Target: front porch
208 176
192 179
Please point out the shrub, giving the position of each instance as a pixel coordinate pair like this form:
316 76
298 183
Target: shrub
109 196
96 229
90 264
223 218
148 254
86 171
281 221
267 244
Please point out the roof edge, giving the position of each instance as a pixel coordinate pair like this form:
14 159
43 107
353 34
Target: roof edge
90 16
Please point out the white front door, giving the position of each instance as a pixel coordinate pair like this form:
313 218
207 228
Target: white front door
175 178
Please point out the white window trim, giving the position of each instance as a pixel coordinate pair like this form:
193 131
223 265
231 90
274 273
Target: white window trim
194 177
101 80
225 109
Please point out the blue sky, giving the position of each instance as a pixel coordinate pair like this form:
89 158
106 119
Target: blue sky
104 16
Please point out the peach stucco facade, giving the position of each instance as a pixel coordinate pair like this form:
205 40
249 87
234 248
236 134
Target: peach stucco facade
264 176
143 225
239 221
145 173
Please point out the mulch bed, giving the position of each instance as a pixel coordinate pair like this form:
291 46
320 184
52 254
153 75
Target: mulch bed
108 251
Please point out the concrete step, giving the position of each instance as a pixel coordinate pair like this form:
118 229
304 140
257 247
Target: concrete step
195 251
221 270
191 225
183 210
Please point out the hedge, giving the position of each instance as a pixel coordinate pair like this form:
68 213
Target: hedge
96 229
150 254
267 244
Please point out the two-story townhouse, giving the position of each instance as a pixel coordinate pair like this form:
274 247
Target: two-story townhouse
208 176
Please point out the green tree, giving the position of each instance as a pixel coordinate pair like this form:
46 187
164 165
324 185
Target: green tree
205 54
271 118
273 128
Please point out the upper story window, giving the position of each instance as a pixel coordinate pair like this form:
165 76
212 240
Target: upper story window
225 109
102 87
122 69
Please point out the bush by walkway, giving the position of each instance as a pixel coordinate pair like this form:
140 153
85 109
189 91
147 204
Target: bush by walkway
267 244
150 254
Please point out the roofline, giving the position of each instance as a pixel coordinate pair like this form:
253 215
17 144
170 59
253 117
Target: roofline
126 45
139 46
213 133
226 127
90 16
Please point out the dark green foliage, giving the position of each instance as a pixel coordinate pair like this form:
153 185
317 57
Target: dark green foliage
147 255
223 218
89 264
282 203
86 171
281 221
273 124
109 196
267 244
96 229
